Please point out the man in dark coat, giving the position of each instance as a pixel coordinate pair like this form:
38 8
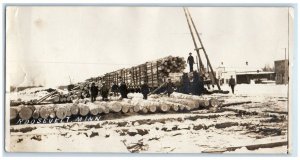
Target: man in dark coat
115 89
145 90
169 87
94 92
123 90
185 84
232 84
198 84
191 62
104 92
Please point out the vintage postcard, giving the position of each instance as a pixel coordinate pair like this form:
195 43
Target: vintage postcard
148 79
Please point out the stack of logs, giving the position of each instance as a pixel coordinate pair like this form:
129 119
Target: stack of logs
153 72
82 107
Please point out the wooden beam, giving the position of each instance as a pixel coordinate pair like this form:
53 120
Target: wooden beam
202 47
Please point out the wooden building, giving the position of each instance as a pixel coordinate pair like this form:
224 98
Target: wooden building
281 71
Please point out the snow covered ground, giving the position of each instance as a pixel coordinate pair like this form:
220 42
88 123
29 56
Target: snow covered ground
262 123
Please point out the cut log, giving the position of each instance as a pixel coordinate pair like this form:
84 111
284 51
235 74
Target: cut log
60 112
83 109
164 107
13 113
144 110
93 108
25 112
74 109
36 114
63 100
181 107
76 101
125 108
69 99
204 103
152 108
192 104
235 103
52 113
68 114
44 112
136 108
213 102
115 107
56 99
15 103
102 107
81 101
106 109
187 108
175 108
131 110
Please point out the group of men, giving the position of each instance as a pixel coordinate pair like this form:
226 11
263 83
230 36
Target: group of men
191 63
105 90
123 90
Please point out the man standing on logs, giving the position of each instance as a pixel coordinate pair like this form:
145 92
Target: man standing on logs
123 89
104 91
169 87
232 84
191 62
145 90
94 92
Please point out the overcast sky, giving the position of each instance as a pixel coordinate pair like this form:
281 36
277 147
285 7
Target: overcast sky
48 45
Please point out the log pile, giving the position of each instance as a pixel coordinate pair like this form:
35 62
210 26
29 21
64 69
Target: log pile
153 72
177 103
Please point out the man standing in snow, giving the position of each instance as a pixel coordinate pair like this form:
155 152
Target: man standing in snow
169 87
104 91
123 90
94 92
191 62
232 83
115 89
145 90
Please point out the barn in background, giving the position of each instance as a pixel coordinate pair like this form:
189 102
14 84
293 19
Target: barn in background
256 77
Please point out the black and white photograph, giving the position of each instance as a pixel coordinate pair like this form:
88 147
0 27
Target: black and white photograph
138 79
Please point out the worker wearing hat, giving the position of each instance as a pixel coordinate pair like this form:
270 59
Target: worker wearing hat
191 62
94 92
169 87
104 91
145 89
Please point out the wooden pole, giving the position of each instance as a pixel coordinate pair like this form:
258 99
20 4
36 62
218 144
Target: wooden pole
195 44
202 47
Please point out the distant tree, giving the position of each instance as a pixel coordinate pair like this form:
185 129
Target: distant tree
267 68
